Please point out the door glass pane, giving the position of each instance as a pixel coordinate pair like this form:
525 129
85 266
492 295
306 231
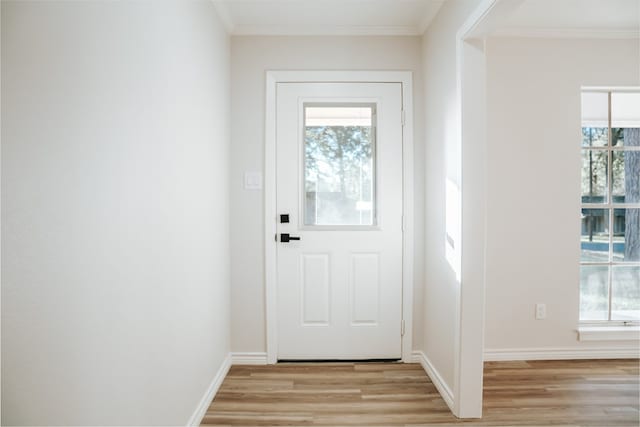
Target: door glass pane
594 240
626 235
595 119
625 290
594 176
594 292
339 161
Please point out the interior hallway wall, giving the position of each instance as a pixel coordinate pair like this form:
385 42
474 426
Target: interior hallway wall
115 251
443 179
533 184
251 57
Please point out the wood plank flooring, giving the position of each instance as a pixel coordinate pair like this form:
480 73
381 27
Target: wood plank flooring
534 393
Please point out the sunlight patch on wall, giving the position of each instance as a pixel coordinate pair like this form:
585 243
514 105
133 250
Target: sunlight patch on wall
453 227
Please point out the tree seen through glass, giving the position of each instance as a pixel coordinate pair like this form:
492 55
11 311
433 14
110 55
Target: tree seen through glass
339 174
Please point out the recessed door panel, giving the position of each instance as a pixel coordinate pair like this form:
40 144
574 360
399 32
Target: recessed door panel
314 289
365 293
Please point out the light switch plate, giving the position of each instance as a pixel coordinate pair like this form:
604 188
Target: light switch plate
541 311
253 181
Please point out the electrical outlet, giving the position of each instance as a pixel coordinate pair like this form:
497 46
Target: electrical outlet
541 311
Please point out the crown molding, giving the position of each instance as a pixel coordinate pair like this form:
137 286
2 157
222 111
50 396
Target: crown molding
428 18
237 29
568 33
224 15
325 30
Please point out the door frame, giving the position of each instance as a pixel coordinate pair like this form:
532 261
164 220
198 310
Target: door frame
270 213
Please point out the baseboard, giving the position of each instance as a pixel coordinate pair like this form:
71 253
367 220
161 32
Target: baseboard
249 358
434 375
201 410
559 354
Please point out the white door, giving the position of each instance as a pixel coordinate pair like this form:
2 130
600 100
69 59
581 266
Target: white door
339 190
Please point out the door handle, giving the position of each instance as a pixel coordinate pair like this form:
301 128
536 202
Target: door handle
285 238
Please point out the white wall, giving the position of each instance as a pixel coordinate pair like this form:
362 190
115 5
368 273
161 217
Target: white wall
251 57
442 164
533 183
115 282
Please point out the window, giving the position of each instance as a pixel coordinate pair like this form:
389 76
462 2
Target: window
339 161
610 237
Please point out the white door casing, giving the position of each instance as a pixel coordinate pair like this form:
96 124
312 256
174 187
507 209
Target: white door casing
340 286
271 224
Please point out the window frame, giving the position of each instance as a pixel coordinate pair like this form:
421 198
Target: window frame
609 205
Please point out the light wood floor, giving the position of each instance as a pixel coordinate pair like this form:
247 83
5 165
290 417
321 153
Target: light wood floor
569 393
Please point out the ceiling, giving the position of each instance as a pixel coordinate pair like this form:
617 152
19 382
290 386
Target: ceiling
581 18
327 17
571 18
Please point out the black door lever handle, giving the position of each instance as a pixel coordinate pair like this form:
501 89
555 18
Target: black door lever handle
285 238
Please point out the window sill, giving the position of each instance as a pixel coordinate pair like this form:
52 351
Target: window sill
609 333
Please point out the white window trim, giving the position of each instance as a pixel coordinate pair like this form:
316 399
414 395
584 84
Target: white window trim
610 329
608 333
